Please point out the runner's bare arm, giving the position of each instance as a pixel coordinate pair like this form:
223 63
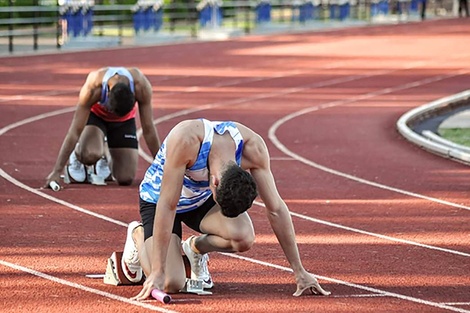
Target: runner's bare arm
278 214
181 147
143 90
89 94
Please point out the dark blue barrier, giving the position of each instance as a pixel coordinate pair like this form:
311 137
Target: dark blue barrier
147 21
76 22
79 19
158 20
87 21
304 12
146 18
206 15
66 15
307 11
414 5
263 12
344 11
334 12
384 7
379 8
138 20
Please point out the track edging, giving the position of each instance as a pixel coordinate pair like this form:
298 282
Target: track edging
440 147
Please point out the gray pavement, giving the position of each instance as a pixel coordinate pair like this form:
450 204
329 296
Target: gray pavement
458 120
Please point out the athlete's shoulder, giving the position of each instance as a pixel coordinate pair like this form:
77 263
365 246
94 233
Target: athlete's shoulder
184 140
136 73
255 152
248 134
95 78
143 88
189 129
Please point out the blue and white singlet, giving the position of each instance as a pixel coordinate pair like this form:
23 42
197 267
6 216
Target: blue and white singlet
195 189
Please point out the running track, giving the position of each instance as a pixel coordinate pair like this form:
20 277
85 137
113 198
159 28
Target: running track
384 224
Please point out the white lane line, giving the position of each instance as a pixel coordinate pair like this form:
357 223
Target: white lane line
290 90
282 159
363 232
34 119
294 156
84 288
457 303
364 295
345 283
75 207
403 241
170 116
59 201
4 98
264 96
285 150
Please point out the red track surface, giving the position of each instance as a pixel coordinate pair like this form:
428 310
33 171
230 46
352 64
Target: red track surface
365 201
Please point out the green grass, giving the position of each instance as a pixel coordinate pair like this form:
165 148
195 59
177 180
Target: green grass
457 135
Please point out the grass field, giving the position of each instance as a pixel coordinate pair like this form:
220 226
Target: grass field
457 135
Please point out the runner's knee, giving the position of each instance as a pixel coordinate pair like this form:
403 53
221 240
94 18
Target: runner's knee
244 244
124 181
89 157
174 284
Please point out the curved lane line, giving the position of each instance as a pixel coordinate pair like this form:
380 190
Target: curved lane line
84 288
363 232
352 285
34 119
59 201
290 90
285 150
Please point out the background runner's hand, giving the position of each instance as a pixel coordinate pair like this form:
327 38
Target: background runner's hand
53 176
308 281
154 281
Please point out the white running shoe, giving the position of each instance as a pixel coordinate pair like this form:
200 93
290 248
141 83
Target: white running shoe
130 258
75 169
102 169
199 268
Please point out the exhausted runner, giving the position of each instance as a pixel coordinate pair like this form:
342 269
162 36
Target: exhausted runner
103 130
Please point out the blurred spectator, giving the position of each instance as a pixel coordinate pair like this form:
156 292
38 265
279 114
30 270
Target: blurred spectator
423 9
403 7
463 5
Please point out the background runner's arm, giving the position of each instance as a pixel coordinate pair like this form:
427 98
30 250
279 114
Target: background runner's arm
144 99
89 95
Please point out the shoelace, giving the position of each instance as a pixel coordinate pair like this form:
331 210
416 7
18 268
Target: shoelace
134 255
202 264
103 164
76 165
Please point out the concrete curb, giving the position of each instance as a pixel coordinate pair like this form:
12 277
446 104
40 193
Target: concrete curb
432 143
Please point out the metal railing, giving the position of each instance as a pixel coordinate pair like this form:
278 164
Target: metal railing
185 18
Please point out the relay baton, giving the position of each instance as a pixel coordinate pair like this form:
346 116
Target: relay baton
161 296
54 186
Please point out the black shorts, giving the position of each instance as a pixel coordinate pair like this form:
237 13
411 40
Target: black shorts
118 134
192 219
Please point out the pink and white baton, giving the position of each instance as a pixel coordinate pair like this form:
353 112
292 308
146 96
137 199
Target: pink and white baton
161 296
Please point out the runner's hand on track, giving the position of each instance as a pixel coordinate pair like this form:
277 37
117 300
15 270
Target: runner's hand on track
53 176
308 281
154 281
